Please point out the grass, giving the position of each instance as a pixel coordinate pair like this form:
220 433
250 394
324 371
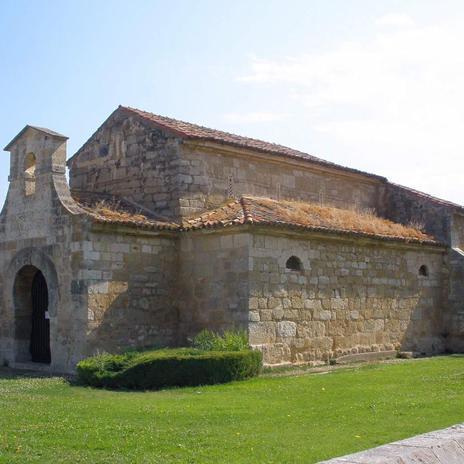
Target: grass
280 419
314 215
115 212
306 214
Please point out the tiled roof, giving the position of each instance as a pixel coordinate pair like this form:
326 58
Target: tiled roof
111 209
248 210
299 215
193 131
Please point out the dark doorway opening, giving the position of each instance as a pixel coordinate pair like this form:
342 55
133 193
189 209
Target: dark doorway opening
40 325
32 322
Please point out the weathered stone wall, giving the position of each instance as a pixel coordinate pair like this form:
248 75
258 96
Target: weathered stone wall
351 297
159 171
129 281
457 231
408 207
114 287
214 282
211 177
127 158
36 231
454 316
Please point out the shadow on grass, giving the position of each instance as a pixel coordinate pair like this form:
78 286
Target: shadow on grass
15 374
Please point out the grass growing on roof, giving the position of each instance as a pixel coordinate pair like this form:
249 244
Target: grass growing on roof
285 419
330 217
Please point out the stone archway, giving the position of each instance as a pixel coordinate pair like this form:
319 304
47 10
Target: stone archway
31 316
18 298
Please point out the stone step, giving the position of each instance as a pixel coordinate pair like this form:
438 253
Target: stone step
440 447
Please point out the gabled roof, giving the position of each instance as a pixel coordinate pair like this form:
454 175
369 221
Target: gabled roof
196 132
190 131
40 129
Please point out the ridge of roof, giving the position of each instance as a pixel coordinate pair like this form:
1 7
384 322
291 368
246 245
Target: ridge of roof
37 128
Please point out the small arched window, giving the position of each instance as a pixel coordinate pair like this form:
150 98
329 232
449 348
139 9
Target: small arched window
294 264
423 271
29 174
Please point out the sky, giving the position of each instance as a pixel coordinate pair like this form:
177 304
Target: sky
374 85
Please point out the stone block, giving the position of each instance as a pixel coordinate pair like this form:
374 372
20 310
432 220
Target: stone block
262 332
286 329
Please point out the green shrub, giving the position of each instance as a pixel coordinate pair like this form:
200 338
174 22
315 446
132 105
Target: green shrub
167 368
231 340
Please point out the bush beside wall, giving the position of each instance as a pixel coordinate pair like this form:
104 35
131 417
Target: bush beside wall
168 368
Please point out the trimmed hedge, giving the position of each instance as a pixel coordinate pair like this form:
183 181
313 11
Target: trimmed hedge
156 369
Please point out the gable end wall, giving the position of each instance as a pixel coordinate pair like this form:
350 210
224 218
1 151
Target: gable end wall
126 157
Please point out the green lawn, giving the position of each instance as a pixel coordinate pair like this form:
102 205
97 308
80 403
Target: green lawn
285 419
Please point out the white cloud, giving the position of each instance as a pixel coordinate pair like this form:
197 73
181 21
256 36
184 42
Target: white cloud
395 99
395 20
254 117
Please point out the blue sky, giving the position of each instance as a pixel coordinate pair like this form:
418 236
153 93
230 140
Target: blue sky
376 85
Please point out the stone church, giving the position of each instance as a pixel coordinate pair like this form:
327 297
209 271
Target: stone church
167 227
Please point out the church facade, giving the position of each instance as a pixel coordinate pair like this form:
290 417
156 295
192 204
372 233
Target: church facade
166 228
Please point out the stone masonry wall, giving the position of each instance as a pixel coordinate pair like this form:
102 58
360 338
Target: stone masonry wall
457 231
407 207
157 170
349 298
454 325
211 178
214 282
129 280
127 158
36 231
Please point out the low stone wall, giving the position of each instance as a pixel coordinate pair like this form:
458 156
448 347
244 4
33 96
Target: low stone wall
349 297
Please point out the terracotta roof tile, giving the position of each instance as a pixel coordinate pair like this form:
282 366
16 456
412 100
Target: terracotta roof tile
111 209
194 131
293 214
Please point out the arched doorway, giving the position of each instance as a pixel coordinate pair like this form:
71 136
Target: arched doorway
32 321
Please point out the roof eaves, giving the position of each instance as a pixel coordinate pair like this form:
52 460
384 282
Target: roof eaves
146 225
295 226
